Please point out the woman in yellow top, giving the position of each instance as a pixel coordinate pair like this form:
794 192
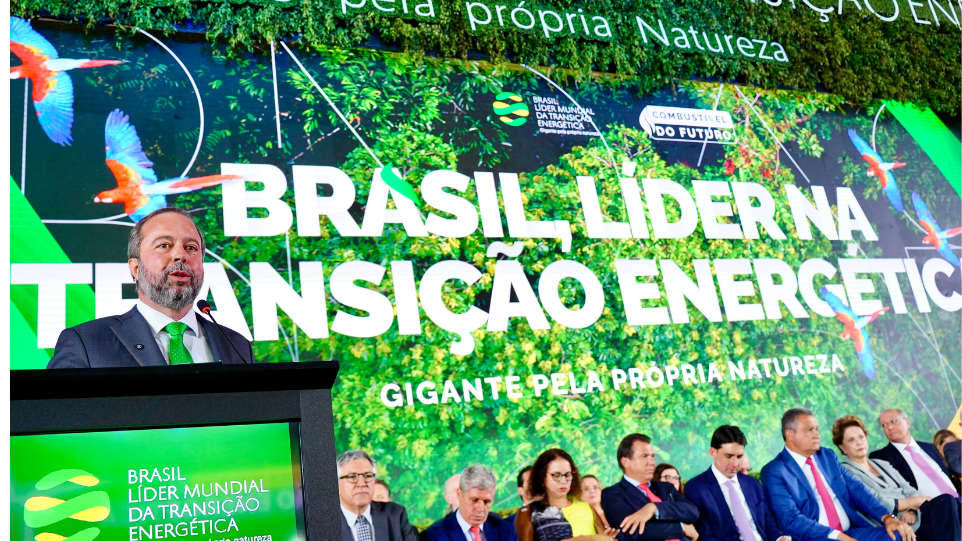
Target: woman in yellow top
557 514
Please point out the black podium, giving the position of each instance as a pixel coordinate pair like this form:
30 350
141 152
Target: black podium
78 400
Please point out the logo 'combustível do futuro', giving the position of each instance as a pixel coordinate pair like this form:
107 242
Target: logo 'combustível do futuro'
43 511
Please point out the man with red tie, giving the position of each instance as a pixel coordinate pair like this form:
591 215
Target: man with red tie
814 498
642 508
918 462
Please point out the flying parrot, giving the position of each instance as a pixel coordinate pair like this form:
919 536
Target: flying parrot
855 329
879 169
137 185
936 236
52 87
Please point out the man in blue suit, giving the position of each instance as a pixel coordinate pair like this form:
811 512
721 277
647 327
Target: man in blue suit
732 505
472 520
814 498
640 507
917 461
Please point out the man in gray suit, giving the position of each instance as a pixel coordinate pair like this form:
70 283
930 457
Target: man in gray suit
165 254
361 518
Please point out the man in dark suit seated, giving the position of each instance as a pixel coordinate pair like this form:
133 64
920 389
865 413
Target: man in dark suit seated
523 477
472 520
918 462
953 457
165 255
640 507
361 518
732 505
814 498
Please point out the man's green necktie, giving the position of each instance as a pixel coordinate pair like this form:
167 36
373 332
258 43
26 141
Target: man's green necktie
177 352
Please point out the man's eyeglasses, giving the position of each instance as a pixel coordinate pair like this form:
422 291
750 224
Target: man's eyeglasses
890 423
353 478
558 476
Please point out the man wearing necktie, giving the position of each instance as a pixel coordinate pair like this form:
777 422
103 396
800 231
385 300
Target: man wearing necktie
814 498
918 462
361 518
473 519
642 508
165 255
732 505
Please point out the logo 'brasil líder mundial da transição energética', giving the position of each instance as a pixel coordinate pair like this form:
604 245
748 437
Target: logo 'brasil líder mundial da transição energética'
43 511
514 114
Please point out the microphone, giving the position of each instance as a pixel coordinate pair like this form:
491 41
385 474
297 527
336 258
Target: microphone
205 309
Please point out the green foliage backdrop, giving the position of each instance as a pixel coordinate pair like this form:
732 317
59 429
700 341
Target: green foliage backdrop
854 55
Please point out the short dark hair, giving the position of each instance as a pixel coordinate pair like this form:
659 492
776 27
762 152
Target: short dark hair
136 238
383 484
539 471
790 419
727 434
841 425
624 448
521 476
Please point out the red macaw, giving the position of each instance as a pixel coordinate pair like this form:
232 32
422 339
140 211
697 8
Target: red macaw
137 186
52 88
935 236
880 169
855 329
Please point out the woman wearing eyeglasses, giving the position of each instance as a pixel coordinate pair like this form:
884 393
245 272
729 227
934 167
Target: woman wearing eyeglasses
557 514
667 473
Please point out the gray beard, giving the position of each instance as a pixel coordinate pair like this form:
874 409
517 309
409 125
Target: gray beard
158 288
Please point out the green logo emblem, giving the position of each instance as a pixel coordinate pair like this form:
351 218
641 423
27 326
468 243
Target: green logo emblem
512 114
43 511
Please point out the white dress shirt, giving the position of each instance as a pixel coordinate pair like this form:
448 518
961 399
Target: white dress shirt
723 481
194 339
822 517
926 484
351 519
466 528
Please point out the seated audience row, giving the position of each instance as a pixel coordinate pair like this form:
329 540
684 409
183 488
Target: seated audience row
901 492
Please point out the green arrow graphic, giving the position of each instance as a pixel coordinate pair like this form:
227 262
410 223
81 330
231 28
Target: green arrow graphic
398 184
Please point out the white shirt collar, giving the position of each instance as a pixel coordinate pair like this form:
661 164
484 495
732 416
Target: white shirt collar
901 446
351 517
799 458
720 477
159 321
632 481
465 527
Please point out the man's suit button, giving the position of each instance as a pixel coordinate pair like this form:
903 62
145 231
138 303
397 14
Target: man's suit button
139 346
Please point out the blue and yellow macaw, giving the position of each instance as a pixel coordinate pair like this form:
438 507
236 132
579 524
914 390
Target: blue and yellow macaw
855 329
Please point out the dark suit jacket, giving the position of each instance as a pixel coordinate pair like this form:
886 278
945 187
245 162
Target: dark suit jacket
794 503
716 522
891 454
390 522
620 500
127 340
953 456
448 529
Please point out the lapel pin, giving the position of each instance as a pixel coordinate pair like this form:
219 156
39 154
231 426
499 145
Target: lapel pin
139 346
